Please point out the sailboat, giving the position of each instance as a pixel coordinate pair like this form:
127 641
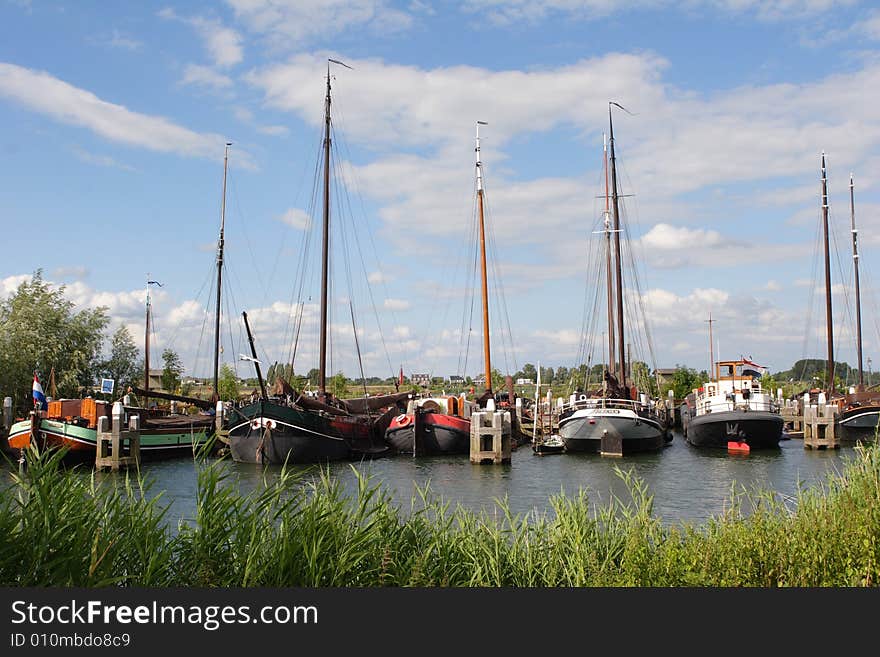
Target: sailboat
859 408
290 426
442 424
618 419
73 423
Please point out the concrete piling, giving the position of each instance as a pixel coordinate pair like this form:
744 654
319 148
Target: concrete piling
116 446
490 437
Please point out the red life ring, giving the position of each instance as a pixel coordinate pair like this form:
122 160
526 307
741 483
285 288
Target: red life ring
402 420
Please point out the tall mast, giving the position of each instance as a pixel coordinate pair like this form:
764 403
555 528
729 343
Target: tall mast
147 344
147 337
608 282
485 278
711 353
219 278
829 381
855 245
618 269
325 249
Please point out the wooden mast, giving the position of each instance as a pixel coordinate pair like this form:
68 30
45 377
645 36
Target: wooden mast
219 278
829 380
855 247
147 346
247 327
485 279
325 248
608 280
618 268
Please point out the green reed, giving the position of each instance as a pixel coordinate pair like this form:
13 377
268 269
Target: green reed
68 527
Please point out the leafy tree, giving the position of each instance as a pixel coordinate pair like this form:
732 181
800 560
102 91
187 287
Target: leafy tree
39 330
529 372
684 380
339 385
562 375
123 364
172 370
227 382
641 376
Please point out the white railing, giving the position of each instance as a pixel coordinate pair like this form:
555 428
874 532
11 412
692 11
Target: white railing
583 402
719 405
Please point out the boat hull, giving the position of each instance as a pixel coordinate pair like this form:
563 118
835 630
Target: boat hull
270 432
758 429
859 424
81 442
612 431
439 434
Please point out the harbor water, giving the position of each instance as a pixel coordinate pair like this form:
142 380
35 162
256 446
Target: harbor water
687 484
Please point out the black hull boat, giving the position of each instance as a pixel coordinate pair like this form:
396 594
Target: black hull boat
758 429
267 432
277 431
438 433
859 424
612 431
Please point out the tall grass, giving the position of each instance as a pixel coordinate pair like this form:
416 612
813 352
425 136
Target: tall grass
63 528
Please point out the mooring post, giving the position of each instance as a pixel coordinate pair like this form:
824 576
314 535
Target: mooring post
490 435
7 413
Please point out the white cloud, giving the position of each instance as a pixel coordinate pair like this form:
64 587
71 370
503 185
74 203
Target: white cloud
273 130
223 44
119 40
78 272
667 237
101 160
396 304
531 11
65 103
204 76
377 277
291 24
296 218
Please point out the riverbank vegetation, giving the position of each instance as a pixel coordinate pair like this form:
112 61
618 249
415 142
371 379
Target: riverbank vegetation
68 527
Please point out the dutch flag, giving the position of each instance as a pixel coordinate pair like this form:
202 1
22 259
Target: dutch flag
40 403
752 367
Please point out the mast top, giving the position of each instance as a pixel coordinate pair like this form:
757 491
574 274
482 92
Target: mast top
479 163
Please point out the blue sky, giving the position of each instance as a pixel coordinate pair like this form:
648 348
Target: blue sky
114 116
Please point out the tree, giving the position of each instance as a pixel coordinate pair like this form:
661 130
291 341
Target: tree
339 385
684 380
172 370
227 382
562 375
529 372
122 366
641 376
39 330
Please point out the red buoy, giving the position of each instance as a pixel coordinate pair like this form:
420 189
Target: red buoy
741 447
